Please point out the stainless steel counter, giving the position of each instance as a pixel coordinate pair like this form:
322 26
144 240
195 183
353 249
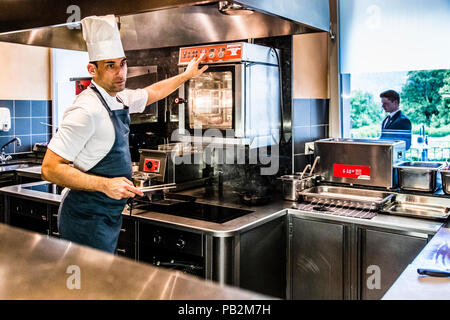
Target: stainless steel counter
279 208
260 214
31 172
34 266
19 191
412 286
399 223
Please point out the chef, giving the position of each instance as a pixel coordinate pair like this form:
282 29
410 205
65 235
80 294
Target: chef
93 135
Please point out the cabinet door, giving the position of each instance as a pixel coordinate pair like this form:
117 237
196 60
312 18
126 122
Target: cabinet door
126 245
385 255
54 221
317 260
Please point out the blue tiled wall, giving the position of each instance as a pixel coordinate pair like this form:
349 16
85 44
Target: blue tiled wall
27 118
309 123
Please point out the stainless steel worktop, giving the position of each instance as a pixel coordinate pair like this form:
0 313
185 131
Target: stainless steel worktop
32 171
210 195
399 223
260 214
18 190
412 286
34 266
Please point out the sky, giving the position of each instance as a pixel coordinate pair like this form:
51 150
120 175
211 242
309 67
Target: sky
375 83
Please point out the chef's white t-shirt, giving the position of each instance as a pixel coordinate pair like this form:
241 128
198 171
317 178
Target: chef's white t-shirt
86 133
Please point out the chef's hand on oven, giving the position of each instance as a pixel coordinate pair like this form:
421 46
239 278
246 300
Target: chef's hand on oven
192 69
121 187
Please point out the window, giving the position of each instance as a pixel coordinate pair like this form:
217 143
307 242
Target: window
397 45
424 99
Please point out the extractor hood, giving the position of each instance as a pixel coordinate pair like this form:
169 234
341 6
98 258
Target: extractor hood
154 23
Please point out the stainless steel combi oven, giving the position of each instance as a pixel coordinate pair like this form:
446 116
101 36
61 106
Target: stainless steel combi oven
239 94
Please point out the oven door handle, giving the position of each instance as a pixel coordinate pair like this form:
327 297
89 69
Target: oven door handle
173 263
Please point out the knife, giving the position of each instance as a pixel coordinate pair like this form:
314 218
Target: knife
433 272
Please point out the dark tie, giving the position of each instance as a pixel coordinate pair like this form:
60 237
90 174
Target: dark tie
388 118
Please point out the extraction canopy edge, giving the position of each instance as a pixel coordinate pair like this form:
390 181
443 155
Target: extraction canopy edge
155 23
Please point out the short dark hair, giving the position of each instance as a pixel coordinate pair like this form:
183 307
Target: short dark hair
391 95
94 63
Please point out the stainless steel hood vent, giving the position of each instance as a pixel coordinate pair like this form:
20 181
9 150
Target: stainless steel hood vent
156 23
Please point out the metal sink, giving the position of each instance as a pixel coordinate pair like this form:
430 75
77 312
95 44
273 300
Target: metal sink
17 164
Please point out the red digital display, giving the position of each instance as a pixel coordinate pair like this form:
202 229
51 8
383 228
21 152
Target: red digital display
213 53
151 165
351 171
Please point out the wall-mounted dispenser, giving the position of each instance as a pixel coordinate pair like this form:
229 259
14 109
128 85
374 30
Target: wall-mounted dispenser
5 119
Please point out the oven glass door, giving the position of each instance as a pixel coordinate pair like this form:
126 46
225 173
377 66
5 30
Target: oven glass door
209 98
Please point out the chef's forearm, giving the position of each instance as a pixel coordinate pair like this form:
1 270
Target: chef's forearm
72 178
162 89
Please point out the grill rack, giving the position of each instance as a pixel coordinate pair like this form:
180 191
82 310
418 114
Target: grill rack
338 208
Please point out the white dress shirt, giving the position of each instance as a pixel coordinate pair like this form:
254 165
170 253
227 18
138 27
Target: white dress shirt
86 133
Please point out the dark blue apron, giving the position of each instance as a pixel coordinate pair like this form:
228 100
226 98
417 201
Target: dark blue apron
92 218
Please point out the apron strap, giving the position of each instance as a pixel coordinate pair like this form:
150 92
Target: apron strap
121 101
103 101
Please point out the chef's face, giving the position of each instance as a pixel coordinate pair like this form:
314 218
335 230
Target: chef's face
388 105
111 74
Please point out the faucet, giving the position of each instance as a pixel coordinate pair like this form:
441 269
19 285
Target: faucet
3 156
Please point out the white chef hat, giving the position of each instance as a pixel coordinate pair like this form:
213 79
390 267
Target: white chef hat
102 38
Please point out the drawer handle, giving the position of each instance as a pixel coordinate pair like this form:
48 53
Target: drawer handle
121 251
57 234
123 230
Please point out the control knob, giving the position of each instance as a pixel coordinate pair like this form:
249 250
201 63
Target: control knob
179 100
157 239
180 243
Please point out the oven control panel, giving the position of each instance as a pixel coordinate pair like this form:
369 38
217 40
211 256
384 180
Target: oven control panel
221 53
151 165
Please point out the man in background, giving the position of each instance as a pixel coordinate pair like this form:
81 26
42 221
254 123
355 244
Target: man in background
396 126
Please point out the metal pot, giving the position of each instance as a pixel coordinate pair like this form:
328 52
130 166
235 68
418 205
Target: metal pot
140 182
293 184
134 167
419 175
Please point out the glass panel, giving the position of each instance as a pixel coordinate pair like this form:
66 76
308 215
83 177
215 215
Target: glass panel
424 102
387 36
210 101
